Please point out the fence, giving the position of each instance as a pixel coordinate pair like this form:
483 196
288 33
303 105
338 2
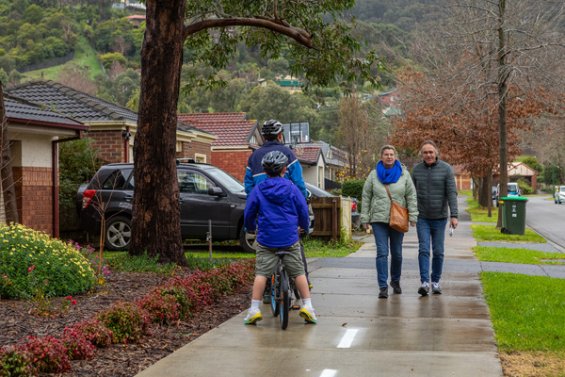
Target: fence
332 215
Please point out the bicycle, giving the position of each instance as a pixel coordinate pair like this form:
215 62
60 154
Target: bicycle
283 291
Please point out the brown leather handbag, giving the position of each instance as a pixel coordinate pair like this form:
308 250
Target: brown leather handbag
398 215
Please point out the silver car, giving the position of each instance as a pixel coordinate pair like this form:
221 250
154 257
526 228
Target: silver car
559 196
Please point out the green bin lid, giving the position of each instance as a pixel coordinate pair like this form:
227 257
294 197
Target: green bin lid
514 198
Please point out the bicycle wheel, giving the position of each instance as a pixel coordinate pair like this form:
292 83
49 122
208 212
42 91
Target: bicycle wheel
285 298
275 289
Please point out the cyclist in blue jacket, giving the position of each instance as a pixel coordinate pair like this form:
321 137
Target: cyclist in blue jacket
273 136
276 210
255 174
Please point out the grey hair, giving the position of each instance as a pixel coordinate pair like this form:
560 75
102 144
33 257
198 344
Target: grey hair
430 142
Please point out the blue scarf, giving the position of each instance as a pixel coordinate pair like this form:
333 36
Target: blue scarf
389 175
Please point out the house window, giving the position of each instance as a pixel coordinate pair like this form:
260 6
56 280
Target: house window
199 157
178 148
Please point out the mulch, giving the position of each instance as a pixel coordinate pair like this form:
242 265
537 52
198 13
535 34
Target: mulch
17 321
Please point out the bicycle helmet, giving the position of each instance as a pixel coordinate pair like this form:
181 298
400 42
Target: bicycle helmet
272 127
274 162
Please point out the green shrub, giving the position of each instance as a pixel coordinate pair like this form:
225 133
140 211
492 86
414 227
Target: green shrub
34 265
95 332
524 186
161 308
14 363
353 188
127 322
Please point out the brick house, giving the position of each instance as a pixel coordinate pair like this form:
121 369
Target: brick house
111 127
237 137
34 134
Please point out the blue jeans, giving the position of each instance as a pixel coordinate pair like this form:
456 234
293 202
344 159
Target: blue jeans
433 230
383 234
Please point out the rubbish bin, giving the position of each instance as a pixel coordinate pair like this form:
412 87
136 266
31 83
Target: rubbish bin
513 214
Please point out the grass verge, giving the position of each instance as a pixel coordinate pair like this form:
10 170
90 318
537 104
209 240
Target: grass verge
517 255
480 214
490 233
528 312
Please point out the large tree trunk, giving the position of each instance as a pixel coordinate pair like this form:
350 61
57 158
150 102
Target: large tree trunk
156 222
6 176
503 73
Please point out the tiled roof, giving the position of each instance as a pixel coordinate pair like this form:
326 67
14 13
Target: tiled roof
20 112
232 129
70 102
307 154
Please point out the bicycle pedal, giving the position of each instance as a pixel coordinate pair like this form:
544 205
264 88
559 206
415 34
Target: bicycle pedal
295 307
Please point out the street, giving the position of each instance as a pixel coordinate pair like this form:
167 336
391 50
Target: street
548 219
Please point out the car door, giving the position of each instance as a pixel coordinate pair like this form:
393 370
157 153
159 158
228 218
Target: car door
198 207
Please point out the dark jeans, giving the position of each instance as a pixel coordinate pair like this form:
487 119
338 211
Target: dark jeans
431 232
387 239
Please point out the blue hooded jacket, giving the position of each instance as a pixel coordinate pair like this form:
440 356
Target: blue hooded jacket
254 173
276 208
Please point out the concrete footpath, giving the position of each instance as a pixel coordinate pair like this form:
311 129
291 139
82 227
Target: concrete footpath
359 335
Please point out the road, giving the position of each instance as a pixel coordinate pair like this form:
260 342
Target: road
548 219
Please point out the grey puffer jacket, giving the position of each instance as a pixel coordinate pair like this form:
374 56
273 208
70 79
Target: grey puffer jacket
435 185
375 207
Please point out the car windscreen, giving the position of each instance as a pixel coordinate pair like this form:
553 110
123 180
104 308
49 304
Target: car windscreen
226 180
317 192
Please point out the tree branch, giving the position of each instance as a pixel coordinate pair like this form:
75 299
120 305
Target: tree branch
299 35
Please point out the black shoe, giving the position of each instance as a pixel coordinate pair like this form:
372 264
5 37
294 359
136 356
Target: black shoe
424 289
396 287
383 292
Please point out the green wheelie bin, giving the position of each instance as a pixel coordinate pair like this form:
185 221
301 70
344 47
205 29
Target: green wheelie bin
513 214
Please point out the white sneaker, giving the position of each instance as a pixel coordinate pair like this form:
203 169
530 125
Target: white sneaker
424 289
253 316
436 289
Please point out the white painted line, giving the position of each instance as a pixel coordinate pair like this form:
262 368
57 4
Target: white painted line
347 339
328 373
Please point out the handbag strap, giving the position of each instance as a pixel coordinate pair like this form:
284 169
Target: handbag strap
388 192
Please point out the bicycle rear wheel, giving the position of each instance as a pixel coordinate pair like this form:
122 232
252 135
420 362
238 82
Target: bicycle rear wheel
285 302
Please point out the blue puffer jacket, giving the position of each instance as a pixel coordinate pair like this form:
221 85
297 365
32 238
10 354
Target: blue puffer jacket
275 208
254 173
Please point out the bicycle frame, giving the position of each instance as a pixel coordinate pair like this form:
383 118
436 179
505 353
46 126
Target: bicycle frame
283 291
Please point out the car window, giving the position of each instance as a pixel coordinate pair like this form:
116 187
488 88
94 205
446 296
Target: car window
193 182
117 179
229 182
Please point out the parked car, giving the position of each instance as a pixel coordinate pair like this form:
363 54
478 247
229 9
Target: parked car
207 193
559 196
512 190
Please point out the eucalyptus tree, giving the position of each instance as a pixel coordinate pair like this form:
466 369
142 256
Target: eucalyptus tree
317 44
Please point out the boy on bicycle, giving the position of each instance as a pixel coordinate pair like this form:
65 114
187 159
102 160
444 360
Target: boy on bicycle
276 209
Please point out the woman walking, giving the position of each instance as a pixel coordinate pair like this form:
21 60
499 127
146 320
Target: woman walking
389 173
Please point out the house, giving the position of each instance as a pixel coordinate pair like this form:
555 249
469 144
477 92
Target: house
463 180
517 170
237 137
336 160
313 163
34 134
111 127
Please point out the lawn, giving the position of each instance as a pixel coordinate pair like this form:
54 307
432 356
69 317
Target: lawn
491 233
517 255
480 214
528 312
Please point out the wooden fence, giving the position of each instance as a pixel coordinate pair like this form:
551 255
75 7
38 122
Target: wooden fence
327 222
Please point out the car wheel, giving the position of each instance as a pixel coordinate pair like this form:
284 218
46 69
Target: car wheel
246 241
118 233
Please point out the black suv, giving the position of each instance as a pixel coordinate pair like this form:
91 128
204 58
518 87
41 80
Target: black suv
207 195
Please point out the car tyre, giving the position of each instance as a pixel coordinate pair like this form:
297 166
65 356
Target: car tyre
118 233
247 241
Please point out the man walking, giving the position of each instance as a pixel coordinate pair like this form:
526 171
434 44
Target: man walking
437 202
